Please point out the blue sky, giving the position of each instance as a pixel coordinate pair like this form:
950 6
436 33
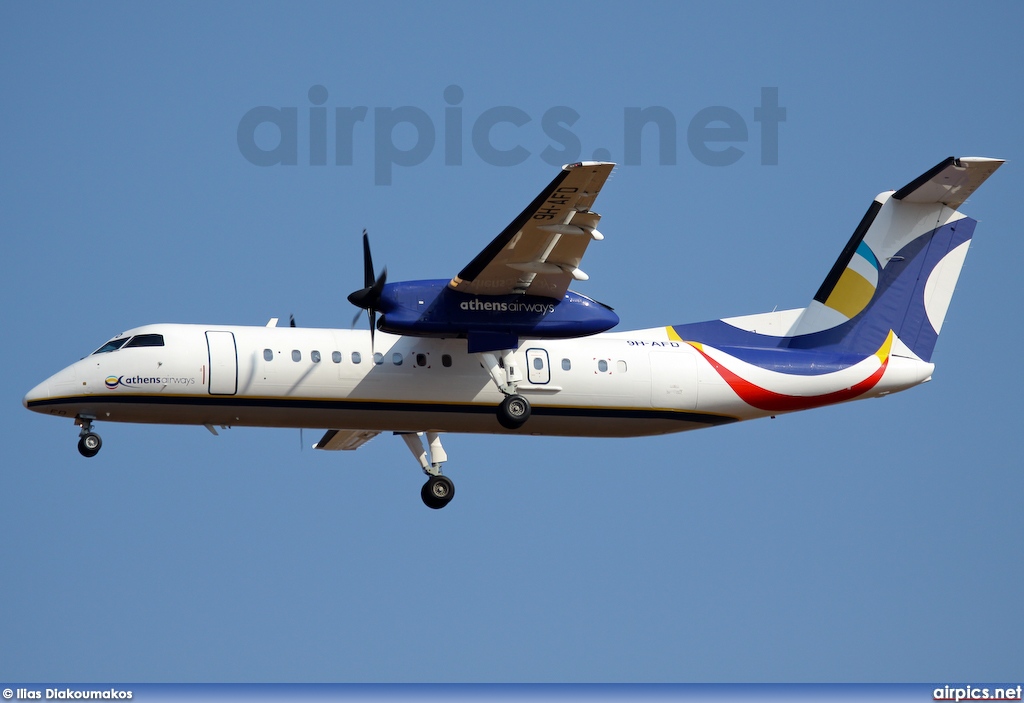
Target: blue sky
876 541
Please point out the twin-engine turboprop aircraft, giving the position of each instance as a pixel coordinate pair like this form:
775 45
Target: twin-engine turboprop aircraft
505 346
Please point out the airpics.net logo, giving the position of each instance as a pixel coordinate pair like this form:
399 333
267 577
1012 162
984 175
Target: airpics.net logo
407 135
114 382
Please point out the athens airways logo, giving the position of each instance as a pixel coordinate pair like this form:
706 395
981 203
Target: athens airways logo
142 381
501 306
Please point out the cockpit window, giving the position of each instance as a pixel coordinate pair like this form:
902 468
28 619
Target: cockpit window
139 340
112 345
146 340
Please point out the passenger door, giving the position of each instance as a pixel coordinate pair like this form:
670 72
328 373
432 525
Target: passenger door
223 363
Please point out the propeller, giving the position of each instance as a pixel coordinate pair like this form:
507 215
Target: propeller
368 297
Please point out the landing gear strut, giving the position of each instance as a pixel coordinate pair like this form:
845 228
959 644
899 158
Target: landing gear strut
439 490
89 443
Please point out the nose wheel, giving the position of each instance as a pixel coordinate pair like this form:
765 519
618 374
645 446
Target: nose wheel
89 443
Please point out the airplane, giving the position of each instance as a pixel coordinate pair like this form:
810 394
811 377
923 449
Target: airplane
506 347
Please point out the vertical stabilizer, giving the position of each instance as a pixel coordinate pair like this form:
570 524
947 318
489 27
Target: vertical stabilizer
900 267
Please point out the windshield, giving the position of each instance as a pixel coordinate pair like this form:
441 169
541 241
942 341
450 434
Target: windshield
139 340
146 340
112 345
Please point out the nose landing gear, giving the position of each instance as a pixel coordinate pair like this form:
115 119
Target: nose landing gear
89 443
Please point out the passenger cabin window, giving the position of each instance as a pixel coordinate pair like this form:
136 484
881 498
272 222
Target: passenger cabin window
315 356
602 366
296 355
396 359
146 340
566 364
357 358
446 360
421 359
378 358
336 357
268 355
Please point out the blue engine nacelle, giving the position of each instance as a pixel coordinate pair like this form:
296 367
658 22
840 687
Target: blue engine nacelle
489 322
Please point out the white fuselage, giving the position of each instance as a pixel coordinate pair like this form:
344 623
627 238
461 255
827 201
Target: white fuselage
618 384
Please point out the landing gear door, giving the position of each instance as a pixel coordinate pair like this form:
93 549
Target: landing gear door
223 363
538 369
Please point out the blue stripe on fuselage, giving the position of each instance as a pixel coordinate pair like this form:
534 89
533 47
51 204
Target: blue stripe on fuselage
898 305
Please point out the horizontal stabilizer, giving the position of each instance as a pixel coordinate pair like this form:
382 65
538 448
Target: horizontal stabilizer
950 182
345 439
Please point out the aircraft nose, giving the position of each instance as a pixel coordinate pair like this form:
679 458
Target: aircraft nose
40 392
61 383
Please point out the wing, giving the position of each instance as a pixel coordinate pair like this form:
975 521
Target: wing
345 439
540 251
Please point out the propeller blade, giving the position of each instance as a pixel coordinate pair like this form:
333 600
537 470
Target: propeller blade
369 296
378 286
368 276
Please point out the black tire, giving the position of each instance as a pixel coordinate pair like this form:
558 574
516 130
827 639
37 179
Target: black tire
89 444
513 412
437 492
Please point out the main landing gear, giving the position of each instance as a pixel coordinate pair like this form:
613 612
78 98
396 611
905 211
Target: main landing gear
89 443
514 410
439 490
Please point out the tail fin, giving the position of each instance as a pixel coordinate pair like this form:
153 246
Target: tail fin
900 267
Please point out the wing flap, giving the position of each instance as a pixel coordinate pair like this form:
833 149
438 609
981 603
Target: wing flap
539 253
346 440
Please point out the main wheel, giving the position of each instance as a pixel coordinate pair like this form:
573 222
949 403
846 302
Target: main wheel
89 444
513 412
437 492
